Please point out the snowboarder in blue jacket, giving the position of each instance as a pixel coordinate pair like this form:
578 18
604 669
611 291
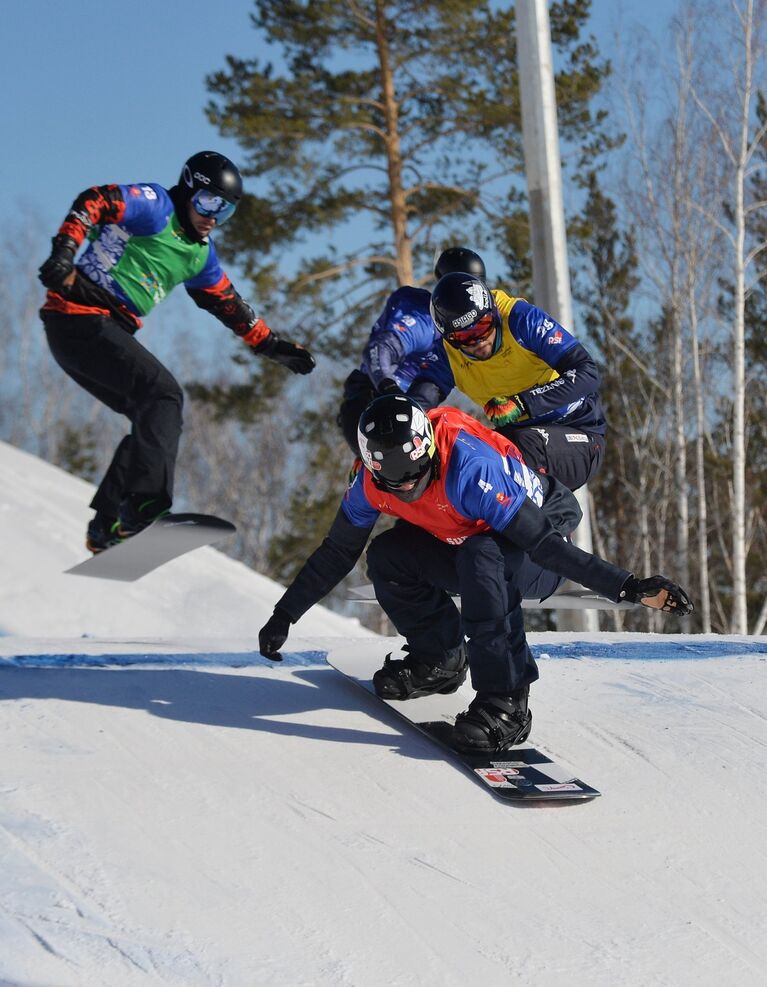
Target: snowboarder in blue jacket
403 353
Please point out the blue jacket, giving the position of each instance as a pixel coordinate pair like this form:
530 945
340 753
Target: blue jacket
404 343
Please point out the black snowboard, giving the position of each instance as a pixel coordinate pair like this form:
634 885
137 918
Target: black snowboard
165 539
522 774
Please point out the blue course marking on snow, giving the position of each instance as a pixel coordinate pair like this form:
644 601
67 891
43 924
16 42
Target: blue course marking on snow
652 650
224 659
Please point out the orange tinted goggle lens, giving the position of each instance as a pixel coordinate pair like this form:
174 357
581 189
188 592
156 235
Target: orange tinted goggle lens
479 331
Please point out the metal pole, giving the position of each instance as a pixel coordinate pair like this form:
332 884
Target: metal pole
551 272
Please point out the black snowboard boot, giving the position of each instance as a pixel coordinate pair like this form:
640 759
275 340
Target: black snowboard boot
102 533
137 511
421 675
493 722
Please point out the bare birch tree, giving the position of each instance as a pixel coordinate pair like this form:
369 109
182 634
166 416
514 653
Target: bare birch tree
659 191
740 56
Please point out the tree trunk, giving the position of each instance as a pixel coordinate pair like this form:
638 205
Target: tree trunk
739 607
704 602
397 198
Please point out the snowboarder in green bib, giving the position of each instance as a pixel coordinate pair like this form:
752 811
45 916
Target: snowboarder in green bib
143 240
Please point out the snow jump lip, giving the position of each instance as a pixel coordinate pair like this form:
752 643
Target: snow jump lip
686 649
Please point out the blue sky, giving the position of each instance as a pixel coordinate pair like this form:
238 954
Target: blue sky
96 91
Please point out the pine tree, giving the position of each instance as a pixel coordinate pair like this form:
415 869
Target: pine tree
374 134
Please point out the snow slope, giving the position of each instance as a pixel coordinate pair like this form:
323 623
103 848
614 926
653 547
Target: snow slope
43 516
176 810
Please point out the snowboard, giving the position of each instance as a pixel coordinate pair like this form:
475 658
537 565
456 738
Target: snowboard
576 599
520 774
164 540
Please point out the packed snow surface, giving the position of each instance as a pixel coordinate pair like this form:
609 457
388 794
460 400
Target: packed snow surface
175 809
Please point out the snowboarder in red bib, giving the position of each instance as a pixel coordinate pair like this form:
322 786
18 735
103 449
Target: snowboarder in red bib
476 522
143 240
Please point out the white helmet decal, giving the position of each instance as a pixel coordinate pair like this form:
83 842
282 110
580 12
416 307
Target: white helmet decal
479 295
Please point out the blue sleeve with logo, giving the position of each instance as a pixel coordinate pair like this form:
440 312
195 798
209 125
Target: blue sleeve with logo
401 333
484 485
407 314
147 209
573 396
539 333
355 505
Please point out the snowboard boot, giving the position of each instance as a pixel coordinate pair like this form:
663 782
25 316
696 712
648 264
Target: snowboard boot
421 675
102 533
493 722
138 511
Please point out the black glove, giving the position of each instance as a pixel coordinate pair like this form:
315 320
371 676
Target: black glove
54 272
389 386
649 592
291 355
274 634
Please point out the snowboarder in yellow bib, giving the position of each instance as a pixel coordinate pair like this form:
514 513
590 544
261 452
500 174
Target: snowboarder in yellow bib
537 384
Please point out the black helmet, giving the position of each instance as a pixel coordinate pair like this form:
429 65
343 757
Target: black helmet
396 441
212 172
463 309
459 259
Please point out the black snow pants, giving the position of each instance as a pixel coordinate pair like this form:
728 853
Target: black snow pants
105 359
570 454
414 574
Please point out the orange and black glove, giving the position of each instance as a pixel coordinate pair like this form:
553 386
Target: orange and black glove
295 357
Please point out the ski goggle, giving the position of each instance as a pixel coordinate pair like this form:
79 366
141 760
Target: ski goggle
209 204
478 333
397 484
409 488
